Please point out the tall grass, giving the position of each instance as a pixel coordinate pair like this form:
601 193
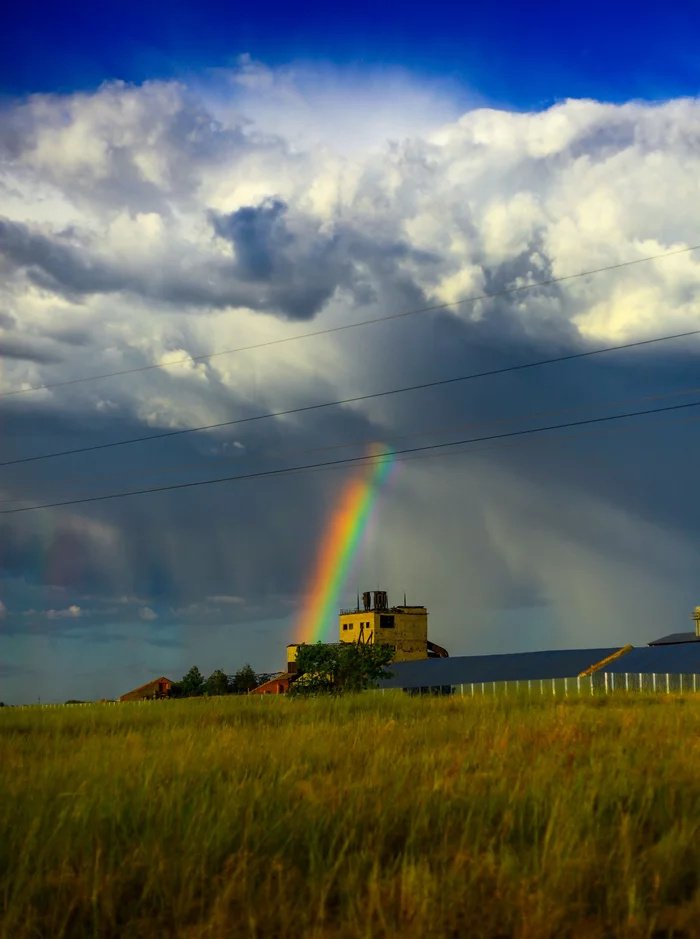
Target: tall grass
376 816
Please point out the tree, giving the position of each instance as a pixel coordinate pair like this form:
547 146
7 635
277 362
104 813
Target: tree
244 680
264 677
218 683
192 683
340 668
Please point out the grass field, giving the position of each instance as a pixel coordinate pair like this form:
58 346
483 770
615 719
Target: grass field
377 816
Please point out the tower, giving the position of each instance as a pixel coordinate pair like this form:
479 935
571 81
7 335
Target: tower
403 627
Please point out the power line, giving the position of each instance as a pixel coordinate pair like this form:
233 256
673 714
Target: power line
367 397
52 484
335 329
351 460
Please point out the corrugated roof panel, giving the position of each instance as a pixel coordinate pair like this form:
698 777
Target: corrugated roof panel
681 659
675 638
520 666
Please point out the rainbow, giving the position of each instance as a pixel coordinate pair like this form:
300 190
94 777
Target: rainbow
339 547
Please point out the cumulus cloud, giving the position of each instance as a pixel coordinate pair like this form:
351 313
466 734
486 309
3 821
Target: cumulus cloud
142 225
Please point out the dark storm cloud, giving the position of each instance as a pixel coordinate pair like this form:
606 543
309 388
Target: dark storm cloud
275 268
54 264
13 348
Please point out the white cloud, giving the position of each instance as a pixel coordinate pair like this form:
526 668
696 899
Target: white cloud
147 614
72 612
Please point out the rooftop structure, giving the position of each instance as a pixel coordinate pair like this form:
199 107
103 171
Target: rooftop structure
678 638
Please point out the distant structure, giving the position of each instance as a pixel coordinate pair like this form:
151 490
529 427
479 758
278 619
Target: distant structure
158 688
403 627
676 638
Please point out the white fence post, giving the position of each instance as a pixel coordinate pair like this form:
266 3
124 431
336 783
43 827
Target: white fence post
653 681
472 689
529 686
668 685
462 687
627 681
578 684
641 683
606 682
541 686
554 688
566 687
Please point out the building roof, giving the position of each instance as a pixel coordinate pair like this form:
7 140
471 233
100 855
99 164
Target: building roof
149 684
678 659
675 639
561 663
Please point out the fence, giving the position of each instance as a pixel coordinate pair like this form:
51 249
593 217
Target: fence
597 683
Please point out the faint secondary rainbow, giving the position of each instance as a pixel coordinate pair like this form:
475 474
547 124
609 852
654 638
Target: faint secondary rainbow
339 546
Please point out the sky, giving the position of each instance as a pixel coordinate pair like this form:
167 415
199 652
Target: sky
180 180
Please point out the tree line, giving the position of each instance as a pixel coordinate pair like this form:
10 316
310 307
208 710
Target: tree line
322 669
195 685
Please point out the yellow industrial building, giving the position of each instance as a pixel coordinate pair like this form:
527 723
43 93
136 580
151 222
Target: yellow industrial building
403 627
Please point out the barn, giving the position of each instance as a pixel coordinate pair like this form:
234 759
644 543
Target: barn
158 688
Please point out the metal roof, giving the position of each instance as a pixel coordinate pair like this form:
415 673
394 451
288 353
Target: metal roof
683 659
561 663
675 638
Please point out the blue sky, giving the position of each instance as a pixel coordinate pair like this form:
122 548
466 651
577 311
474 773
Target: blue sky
521 55
178 179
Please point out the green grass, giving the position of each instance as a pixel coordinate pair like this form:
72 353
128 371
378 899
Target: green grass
377 816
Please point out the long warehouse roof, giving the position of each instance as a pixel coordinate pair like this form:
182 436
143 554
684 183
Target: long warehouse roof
676 660
521 666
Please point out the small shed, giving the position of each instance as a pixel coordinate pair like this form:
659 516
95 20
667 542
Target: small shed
158 688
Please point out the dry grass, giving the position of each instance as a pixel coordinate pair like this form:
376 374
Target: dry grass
360 818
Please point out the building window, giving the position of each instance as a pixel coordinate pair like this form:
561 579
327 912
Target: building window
345 625
386 622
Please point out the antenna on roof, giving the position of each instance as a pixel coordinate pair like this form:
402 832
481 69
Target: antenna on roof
404 598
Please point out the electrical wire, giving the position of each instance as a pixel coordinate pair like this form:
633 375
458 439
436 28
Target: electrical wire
369 322
350 460
342 446
356 398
